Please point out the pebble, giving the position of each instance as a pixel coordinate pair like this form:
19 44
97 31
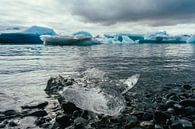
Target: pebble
177 125
63 120
12 123
147 116
161 117
187 87
186 124
158 127
179 109
170 103
171 110
189 110
170 94
147 124
3 124
69 107
188 102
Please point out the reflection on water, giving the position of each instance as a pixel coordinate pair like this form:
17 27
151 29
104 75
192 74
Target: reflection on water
25 70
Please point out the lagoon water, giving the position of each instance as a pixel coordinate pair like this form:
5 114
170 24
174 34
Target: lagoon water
25 69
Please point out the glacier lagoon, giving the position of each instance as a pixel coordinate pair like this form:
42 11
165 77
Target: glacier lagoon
25 69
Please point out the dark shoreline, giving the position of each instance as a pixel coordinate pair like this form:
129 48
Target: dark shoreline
173 107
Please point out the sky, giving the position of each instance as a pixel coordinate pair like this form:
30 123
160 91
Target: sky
102 16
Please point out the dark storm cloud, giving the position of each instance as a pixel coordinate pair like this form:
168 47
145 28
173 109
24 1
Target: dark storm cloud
153 12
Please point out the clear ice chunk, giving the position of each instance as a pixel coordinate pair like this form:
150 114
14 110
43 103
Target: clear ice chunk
101 98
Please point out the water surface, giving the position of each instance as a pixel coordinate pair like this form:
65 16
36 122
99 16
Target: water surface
24 70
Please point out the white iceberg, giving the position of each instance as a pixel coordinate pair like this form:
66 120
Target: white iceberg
68 40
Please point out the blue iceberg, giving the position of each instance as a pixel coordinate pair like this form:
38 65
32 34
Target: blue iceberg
191 39
28 36
114 39
163 37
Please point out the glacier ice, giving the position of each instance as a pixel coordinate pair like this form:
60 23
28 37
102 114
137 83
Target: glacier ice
79 40
155 35
27 36
38 35
95 100
95 92
163 37
112 39
191 39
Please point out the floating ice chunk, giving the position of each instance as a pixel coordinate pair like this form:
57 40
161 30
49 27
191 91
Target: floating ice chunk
67 40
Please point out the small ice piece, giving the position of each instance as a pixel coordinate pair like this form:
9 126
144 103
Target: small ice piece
130 82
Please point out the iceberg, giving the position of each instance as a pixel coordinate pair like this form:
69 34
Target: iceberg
95 94
37 30
28 36
162 37
135 37
80 39
119 38
191 39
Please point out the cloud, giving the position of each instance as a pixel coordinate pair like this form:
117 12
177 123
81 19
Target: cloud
101 16
151 12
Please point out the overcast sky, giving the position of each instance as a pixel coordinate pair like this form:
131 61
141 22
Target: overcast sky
99 16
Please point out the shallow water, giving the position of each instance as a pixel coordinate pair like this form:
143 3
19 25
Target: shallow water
24 70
